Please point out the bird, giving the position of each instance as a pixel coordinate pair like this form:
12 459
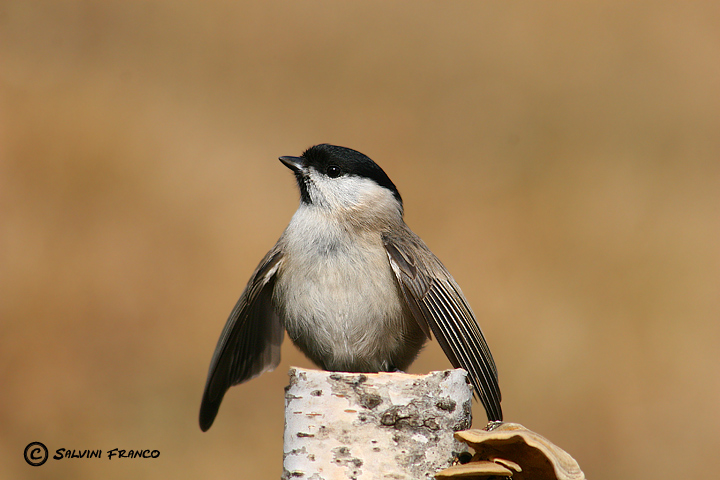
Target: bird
354 288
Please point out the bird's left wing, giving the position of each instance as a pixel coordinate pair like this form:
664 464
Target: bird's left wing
438 304
250 342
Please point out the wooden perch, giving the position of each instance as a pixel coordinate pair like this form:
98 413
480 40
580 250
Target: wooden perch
373 426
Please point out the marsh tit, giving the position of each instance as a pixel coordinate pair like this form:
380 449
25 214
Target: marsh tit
355 289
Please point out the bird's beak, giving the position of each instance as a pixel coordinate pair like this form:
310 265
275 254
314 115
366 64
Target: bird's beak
296 164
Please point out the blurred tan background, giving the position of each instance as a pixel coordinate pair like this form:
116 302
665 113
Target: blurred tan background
562 159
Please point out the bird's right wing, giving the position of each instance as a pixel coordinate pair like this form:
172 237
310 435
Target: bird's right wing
250 342
438 304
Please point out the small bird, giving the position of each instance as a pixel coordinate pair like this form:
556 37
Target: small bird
355 289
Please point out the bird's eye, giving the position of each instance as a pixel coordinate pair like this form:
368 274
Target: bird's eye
333 171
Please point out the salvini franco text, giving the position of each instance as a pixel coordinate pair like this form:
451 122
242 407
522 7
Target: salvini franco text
61 453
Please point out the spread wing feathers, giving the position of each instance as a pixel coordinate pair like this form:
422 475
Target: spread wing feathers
250 342
437 303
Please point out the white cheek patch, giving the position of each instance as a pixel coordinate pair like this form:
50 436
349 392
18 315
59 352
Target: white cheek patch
348 192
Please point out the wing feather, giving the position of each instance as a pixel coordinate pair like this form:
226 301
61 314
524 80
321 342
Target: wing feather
438 305
250 342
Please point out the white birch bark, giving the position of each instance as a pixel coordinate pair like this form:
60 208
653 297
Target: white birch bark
373 426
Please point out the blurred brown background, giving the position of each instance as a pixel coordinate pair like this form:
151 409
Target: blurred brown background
562 159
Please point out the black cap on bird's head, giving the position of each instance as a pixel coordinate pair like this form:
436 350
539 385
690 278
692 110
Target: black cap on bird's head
335 161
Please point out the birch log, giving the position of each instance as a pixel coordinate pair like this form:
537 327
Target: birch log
373 426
